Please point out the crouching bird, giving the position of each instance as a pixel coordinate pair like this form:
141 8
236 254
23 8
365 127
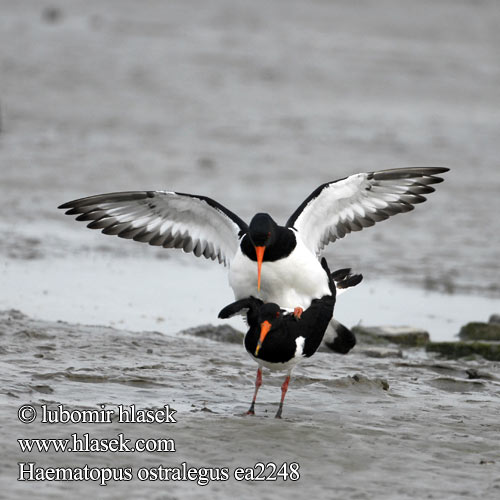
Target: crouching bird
279 340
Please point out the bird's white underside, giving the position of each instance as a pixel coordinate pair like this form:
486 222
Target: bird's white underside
289 282
343 202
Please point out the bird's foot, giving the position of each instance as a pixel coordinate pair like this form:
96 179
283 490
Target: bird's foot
278 414
250 412
297 312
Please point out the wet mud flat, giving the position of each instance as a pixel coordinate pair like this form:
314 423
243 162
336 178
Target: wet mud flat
409 425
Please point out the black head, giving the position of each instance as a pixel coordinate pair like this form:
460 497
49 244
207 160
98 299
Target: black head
269 314
262 230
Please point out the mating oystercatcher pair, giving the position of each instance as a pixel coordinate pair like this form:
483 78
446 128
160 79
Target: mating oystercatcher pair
278 340
289 272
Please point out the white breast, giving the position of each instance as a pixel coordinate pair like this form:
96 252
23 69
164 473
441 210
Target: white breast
290 282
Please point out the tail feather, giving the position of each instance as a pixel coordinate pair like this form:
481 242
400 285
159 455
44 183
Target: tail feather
341 277
342 340
350 281
340 274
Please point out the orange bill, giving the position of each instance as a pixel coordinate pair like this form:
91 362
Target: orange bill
265 326
259 251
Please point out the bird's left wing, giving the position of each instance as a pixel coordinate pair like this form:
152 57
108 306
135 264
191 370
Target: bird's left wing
242 306
194 223
350 204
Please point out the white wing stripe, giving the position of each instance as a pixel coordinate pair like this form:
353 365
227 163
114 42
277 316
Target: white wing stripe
163 218
359 201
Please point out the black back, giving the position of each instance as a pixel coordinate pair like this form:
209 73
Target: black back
279 345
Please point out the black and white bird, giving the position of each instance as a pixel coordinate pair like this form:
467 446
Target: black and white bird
278 340
286 258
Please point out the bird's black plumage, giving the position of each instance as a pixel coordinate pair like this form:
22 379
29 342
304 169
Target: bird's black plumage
277 339
263 230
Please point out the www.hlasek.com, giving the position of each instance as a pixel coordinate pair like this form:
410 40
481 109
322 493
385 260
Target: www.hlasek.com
84 443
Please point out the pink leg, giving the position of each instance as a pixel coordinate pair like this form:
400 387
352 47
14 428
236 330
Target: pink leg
284 388
258 383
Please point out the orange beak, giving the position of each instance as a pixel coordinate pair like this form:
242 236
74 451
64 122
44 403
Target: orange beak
265 326
259 251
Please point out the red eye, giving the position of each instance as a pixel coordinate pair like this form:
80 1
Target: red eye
278 314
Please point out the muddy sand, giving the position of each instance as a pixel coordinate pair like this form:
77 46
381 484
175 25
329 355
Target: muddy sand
359 427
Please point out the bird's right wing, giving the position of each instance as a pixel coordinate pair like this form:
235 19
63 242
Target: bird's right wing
194 223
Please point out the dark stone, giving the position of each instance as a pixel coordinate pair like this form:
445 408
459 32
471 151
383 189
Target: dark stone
222 333
495 319
460 349
474 373
480 331
402 335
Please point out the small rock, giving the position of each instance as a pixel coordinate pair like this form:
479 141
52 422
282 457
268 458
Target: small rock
473 373
16 314
381 352
222 333
460 349
44 389
495 319
480 331
378 382
402 335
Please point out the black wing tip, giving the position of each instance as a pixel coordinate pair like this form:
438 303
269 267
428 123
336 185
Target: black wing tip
224 313
435 170
237 306
410 172
107 198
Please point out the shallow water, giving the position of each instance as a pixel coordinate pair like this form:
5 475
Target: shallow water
254 105
170 295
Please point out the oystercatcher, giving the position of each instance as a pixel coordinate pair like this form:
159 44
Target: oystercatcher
278 340
286 257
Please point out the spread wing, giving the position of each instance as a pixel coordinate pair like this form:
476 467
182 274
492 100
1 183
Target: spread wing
194 223
350 204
